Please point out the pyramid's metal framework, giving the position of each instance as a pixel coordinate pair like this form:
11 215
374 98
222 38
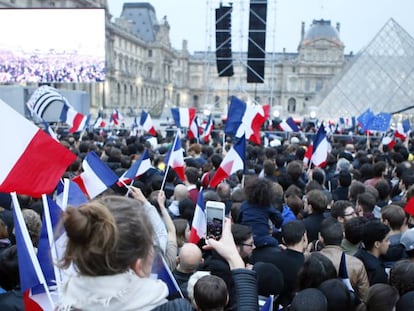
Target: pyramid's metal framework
380 77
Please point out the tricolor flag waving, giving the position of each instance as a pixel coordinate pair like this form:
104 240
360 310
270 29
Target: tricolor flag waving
77 121
183 117
194 130
232 162
289 125
33 162
146 123
175 158
403 129
318 151
96 176
199 224
99 121
243 119
140 167
208 129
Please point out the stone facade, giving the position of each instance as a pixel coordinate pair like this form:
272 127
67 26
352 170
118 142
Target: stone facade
145 72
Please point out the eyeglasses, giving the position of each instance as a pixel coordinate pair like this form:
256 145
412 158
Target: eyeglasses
249 245
350 214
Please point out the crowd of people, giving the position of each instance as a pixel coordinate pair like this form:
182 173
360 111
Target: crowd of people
335 238
67 67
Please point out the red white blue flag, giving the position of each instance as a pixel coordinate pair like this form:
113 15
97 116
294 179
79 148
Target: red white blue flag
208 129
232 162
199 224
244 119
140 167
96 176
146 123
183 117
34 162
77 121
320 148
289 125
175 158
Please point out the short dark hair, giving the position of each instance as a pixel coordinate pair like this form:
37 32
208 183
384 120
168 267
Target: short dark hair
355 189
384 189
372 232
339 207
395 216
240 233
353 229
344 178
309 299
331 231
318 200
192 175
293 231
210 293
9 268
316 269
367 201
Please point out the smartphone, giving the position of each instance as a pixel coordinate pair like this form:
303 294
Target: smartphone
215 219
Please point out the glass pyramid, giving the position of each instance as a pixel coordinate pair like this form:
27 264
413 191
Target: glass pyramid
380 77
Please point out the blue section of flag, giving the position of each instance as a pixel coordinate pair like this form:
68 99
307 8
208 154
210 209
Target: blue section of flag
292 124
365 119
131 173
406 125
161 270
380 122
105 174
240 148
75 195
176 146
234 116
268 306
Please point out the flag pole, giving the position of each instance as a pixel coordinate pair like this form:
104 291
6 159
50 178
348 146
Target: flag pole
51 239
165 177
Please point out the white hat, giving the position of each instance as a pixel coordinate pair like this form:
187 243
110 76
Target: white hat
294 140
407 239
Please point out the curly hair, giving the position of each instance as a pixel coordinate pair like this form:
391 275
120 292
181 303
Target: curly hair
259 192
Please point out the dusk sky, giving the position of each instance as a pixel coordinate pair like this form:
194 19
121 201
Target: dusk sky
193 20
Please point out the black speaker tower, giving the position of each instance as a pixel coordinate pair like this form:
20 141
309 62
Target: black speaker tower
256 52
223 42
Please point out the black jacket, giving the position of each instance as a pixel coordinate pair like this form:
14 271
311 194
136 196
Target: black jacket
375 269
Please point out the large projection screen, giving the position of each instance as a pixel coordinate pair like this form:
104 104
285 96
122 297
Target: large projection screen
52 45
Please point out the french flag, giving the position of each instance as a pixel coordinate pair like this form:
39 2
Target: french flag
146 123
199 224
289 125
175 158
77 121
194 130
183 117
36 293
99 122
96 176
320 148
134 128
69 193
232 162
33 162
403 129
389 140
208 129
115 117
243 119
140 167
161 271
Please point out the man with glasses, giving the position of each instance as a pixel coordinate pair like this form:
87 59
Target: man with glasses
343 211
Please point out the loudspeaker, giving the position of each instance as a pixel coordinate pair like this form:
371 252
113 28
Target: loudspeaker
223 42
256 52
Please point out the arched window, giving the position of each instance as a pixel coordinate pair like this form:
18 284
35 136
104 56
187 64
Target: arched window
291 105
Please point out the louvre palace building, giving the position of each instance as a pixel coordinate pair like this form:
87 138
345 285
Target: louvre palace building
144 71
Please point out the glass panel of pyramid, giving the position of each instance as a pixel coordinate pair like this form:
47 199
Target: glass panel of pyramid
379 77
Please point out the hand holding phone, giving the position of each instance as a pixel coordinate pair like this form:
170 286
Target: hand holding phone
215 219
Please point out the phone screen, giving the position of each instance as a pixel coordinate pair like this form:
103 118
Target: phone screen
215 218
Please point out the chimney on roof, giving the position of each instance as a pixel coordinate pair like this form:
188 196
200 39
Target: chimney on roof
302 32
338 27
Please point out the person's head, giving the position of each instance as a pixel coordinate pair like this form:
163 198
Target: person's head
317 200
379 168
366 202
309 299
180 192
269 279
294 169
189 258
9 268
293 190
294 233
406 302
4 234
355 189
383 188
407 240
344 178
186 209
375 237
295 203
393 216
34 225
402 276
316 269
108 236
192 175
343 211
259 191
210 293
182 230
269 167
224 191
331 232
353 229
243 238
319 175
381 297
338 295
